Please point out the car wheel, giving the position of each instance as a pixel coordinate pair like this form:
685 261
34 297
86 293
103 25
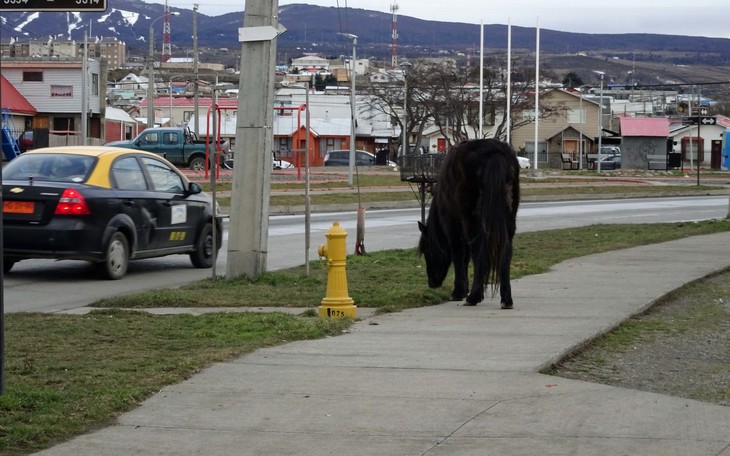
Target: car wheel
116 258
202 256
197 164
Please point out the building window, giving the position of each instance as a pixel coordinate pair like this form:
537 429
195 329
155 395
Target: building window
62 91
95 84
284 144
63 124
576 115
32 76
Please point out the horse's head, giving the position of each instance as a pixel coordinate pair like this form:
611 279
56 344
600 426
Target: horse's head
434 249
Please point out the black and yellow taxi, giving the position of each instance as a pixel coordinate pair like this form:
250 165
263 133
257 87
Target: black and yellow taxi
104 205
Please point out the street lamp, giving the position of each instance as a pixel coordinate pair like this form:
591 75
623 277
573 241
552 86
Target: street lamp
600 122
353 122
151 73
405 66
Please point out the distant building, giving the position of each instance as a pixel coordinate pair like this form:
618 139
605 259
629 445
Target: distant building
311 63
110 50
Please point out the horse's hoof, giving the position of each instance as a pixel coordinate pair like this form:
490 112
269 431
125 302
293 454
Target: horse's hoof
507 305
469 304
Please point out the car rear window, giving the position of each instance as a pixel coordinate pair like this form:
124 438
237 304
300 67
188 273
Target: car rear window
49 167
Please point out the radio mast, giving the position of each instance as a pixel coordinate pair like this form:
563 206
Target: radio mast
394 36
166 47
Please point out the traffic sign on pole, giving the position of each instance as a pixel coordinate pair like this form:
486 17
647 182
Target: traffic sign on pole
707 120
53 5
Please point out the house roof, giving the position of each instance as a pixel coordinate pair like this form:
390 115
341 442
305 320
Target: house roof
13 101
644 126
118 115
178 102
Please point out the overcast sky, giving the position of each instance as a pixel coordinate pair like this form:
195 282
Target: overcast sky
674 17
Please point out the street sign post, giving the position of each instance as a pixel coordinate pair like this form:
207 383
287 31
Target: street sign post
707 120
53 5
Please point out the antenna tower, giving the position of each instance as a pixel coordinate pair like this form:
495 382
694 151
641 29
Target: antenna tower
166 47
394 36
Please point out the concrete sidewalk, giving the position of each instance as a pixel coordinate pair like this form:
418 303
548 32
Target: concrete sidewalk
444 380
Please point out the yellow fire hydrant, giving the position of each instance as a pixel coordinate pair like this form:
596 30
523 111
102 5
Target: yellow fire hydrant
337 303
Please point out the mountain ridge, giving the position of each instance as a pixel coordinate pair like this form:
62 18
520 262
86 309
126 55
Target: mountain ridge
417 37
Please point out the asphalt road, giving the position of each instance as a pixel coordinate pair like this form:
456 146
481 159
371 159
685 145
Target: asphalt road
50 286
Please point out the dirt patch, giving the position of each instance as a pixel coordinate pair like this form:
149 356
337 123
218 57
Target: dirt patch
681 347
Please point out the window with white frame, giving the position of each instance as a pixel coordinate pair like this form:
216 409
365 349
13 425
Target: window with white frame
577 115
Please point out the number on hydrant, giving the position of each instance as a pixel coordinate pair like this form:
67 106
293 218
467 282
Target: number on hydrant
337 303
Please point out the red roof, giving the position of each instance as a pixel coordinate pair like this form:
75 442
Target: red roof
13 101
645 126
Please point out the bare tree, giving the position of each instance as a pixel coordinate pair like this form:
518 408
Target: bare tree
447 97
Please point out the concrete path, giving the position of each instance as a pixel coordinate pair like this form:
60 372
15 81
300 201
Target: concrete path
444 380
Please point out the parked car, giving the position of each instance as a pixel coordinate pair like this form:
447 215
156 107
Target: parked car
610 151
278 163
177 144
611 162
25 140
103 205
342 158
524 162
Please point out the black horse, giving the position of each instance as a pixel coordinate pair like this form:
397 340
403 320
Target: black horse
473 216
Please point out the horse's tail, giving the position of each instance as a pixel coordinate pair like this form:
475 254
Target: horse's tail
498 212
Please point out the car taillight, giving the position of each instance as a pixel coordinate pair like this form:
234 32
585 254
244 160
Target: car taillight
72 203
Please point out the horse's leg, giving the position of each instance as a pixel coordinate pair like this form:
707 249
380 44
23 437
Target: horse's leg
505 289
461 270
481 266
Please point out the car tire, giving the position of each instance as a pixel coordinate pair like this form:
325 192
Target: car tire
116 258
197 164
202 256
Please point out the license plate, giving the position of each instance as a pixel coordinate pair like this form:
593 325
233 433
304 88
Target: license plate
18 207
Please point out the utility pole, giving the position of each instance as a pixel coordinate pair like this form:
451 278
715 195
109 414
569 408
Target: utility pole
196 101
249 218
85 92
151 81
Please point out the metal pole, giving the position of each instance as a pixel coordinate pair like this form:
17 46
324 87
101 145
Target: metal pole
404 146
171 122
151 80
307 202
84 92
700 147
580 133
404 149
509 82
481 79
353 121
212 166
196 102
600 128
537 89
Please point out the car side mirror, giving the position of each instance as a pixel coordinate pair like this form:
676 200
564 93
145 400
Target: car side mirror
194 188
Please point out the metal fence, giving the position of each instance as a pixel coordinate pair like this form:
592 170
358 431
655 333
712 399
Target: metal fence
420 168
